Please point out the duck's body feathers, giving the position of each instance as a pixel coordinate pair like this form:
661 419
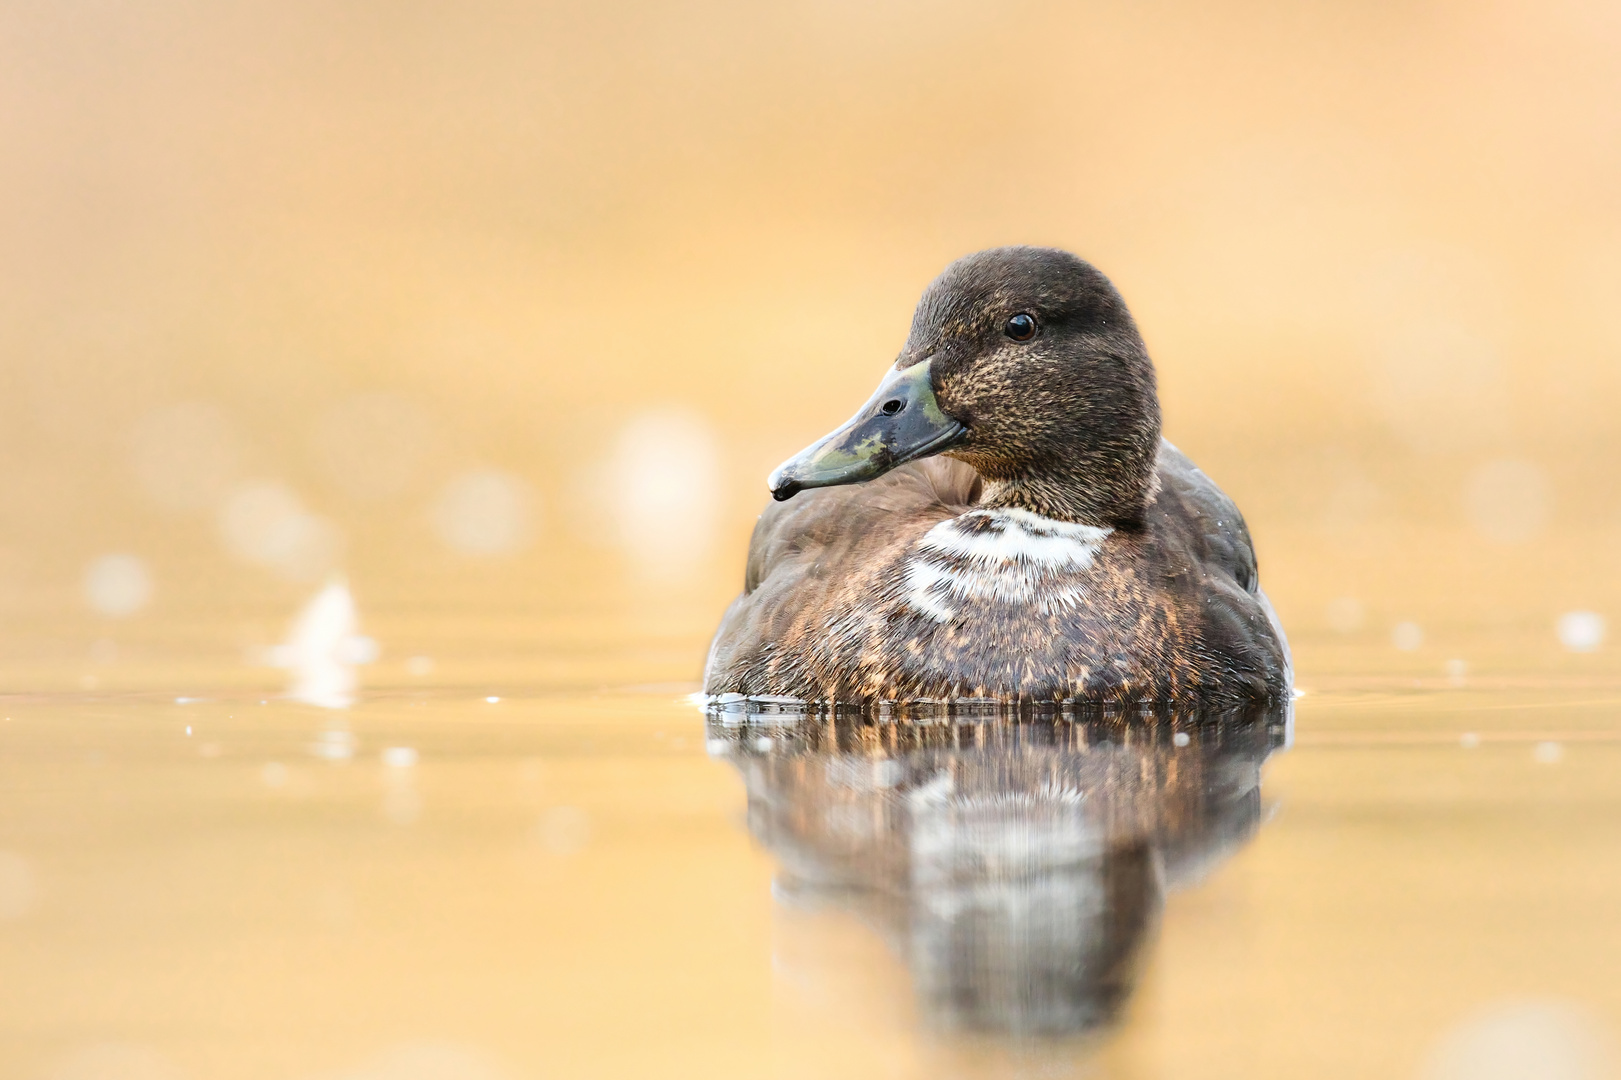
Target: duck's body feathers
906 588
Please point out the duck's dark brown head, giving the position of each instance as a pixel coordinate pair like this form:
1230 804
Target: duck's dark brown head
1024 363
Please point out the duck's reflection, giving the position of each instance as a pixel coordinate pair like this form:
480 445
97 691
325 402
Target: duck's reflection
1018 863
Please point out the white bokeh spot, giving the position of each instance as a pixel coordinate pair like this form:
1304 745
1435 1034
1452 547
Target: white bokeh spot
1523 1040
485 512
565 830
266 525
1581 631
1508 500
117 585
662 483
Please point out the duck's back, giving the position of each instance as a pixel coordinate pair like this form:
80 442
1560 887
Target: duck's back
903 588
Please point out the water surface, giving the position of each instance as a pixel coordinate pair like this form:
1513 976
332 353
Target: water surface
446 881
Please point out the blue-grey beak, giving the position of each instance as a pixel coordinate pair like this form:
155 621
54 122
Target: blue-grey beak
902 422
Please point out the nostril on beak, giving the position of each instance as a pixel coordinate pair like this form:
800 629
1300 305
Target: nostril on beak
892 406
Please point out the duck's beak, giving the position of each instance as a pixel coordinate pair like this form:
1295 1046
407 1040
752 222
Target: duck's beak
902 422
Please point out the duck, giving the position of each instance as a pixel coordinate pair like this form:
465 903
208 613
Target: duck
1003 522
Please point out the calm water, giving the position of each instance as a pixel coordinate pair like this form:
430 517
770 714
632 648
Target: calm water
505 310
441 882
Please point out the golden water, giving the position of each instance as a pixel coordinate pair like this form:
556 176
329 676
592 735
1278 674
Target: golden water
497 314
430 884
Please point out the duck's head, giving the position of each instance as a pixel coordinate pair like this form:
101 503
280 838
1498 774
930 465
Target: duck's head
1024 363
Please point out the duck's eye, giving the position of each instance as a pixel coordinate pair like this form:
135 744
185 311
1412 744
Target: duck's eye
1021 327
892 406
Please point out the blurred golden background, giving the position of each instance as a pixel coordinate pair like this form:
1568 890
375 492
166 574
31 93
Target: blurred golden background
503 311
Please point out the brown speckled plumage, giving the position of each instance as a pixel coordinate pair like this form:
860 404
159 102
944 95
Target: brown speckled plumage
1164 604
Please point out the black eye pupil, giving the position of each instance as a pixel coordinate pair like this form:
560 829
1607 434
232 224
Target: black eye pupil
1021 327
892 406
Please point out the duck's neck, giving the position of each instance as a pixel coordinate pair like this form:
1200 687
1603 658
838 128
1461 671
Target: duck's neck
1047 499
1094 463
1111 498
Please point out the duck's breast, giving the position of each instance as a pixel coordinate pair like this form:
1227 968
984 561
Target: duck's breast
1000 559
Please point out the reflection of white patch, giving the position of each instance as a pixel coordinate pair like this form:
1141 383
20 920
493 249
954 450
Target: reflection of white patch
1000 556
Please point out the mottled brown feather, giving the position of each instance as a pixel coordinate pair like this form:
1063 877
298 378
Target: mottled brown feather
1063 424
1172 610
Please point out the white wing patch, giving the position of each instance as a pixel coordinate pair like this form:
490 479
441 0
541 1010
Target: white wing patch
1006 556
